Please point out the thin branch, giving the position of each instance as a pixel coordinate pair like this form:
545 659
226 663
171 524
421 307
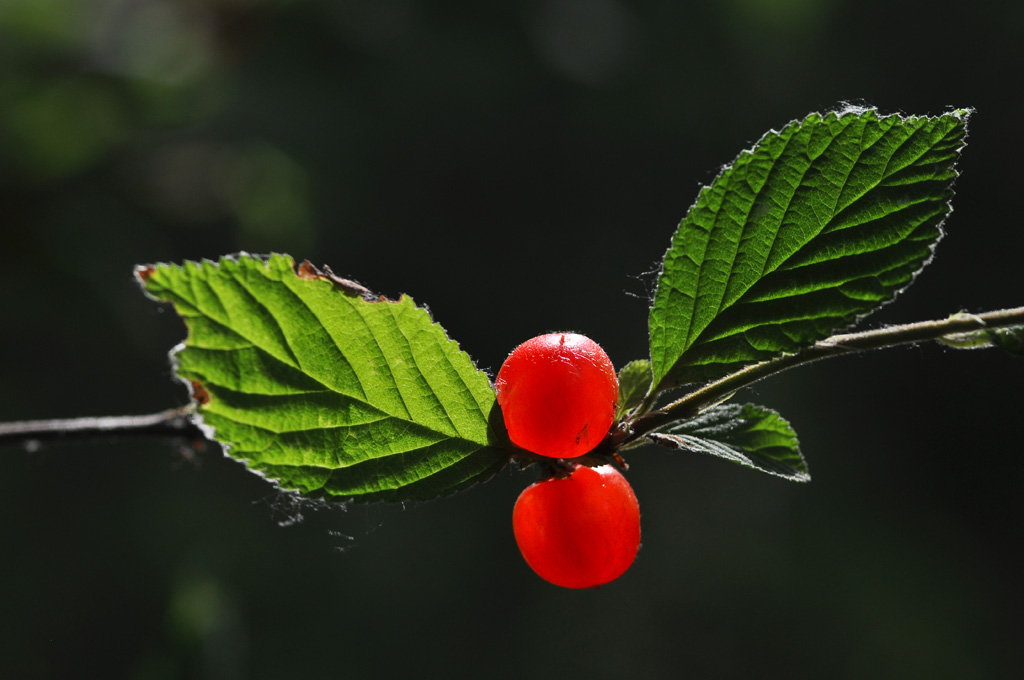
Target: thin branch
837 345
175 422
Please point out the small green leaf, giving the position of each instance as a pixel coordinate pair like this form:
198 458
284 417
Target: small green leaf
634 383
746 434
1008 339
318 385
814 227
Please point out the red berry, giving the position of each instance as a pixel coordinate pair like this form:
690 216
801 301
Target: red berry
580 531
558 394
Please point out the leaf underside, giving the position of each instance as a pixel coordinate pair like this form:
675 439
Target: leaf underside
814 227
747 434
323 390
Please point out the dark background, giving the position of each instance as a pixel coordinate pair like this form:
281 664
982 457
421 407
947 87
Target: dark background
519 167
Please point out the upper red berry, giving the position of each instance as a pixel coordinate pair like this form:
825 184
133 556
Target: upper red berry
558 394
580 531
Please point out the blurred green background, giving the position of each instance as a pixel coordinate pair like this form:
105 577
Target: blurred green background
519 167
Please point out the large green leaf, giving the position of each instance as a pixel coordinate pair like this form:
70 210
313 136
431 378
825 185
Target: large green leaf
815 226
325 389
747 434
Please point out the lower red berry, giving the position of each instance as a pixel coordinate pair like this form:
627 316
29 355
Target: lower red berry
580 531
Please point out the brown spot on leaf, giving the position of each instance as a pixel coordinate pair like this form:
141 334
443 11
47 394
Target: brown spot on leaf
144 273
199 393
307 271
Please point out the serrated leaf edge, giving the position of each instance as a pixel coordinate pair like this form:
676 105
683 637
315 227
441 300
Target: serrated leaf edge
196 392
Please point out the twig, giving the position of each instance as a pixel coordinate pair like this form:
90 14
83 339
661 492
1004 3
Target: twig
173 422
177 422
894 336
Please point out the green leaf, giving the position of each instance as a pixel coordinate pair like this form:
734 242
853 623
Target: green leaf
634 383
316 384
747 434
1008 339
814 227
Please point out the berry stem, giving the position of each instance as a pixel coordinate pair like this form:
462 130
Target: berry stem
836 345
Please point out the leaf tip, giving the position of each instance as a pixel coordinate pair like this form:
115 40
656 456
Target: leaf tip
963 113
143 272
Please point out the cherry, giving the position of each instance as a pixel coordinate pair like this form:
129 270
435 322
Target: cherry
579 531
557 394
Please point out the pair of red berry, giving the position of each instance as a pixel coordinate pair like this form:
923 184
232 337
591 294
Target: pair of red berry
558 395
